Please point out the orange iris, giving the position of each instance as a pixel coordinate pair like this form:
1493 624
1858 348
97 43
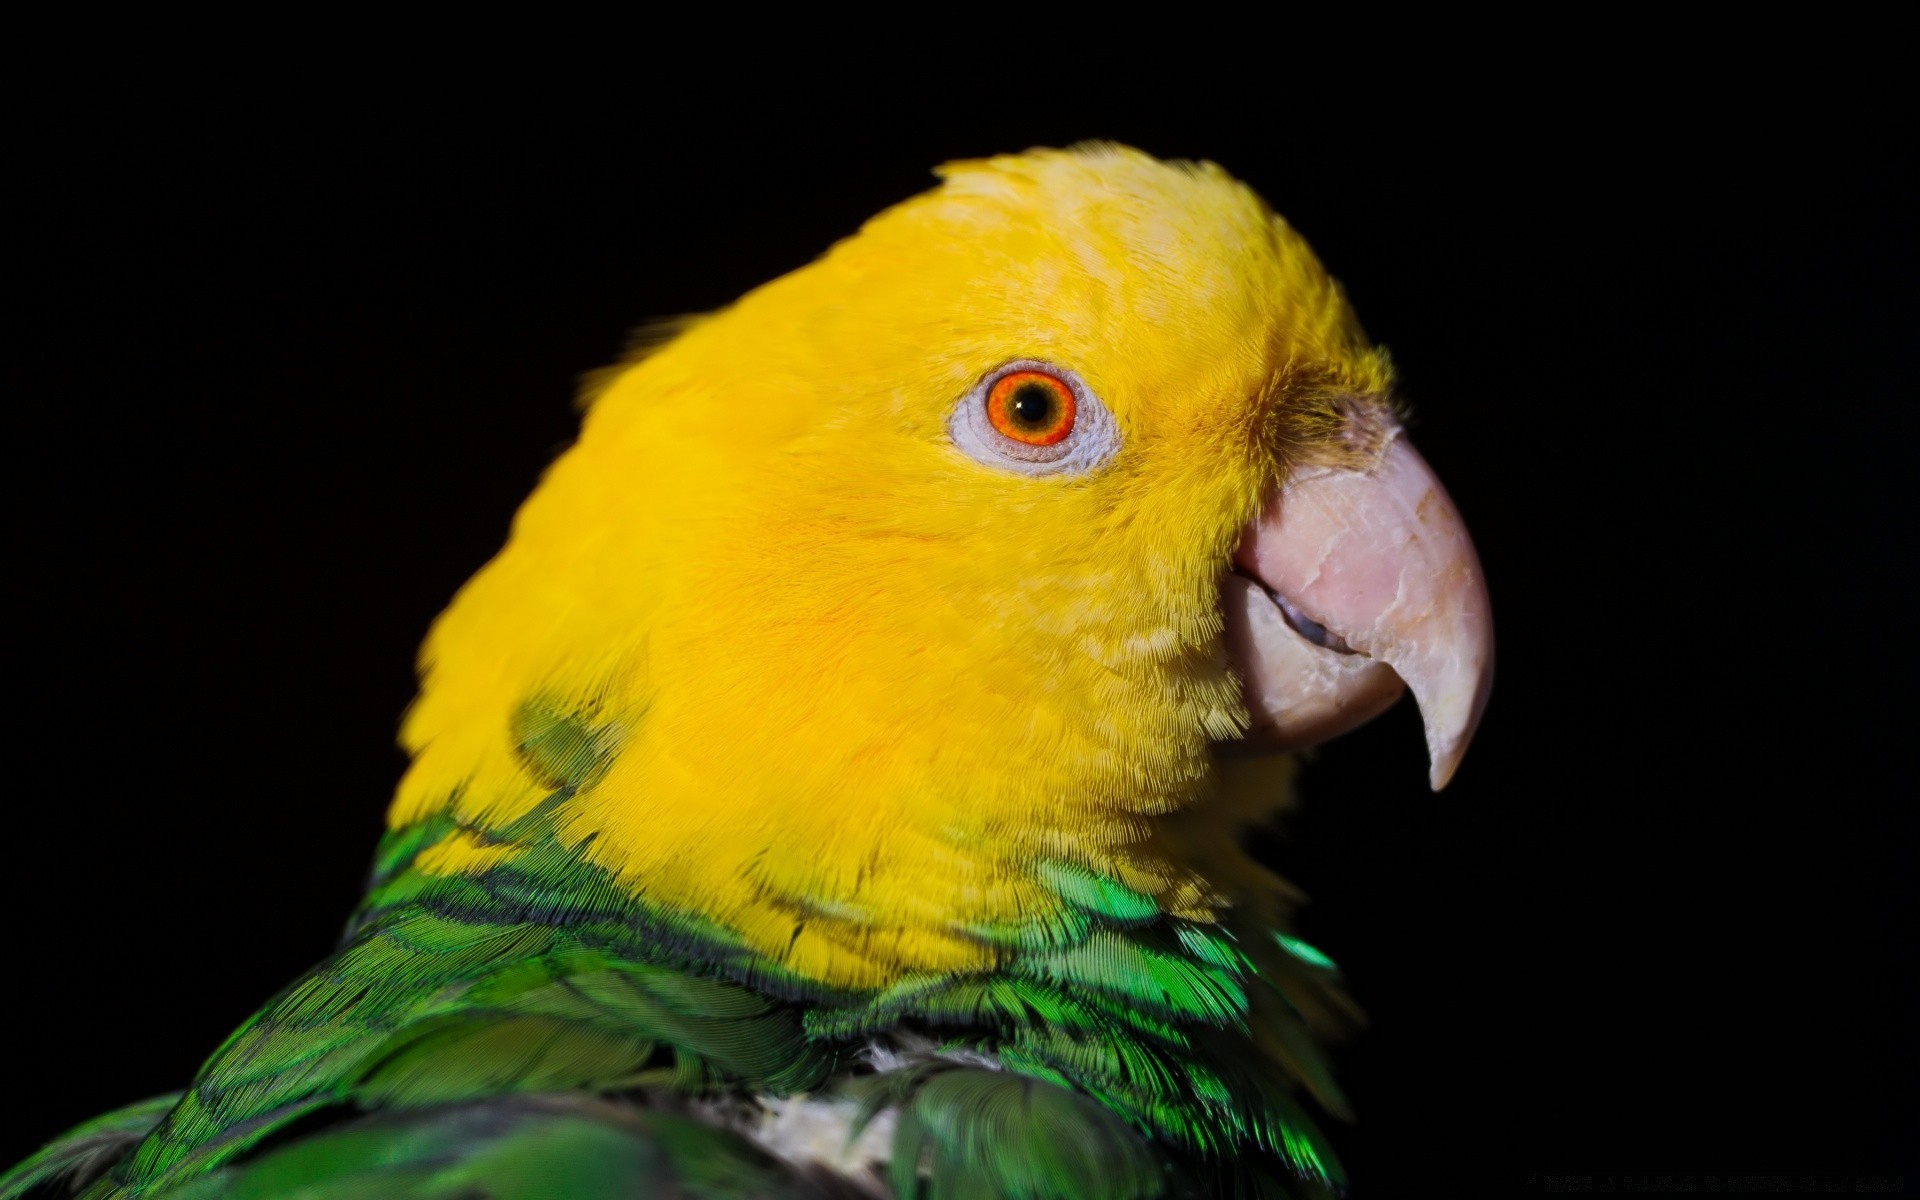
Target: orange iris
1031 407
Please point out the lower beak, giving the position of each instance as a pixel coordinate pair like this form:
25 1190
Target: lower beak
1351 584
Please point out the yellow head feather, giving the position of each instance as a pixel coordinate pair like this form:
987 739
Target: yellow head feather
859 683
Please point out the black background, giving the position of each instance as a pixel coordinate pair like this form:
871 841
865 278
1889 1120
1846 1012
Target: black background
293 353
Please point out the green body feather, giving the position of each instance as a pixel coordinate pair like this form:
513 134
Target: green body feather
469 1029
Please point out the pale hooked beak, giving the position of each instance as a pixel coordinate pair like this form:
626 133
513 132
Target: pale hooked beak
1349 583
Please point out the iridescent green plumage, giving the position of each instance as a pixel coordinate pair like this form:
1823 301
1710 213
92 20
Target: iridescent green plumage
1106 1056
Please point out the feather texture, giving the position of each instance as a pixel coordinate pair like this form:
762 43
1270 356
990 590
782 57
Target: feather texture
796 755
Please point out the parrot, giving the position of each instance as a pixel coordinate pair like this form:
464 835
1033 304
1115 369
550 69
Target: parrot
836 785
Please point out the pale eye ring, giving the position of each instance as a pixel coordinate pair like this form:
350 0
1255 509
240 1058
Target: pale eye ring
1035 418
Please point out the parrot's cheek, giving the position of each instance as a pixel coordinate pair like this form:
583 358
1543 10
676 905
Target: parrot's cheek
1350 584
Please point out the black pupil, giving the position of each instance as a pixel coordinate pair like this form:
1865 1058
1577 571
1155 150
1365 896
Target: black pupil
1031 405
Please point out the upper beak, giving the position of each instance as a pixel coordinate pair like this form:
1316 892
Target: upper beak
1352 582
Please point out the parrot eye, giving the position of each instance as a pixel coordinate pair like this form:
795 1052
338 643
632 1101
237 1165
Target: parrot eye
1034 418
1032 407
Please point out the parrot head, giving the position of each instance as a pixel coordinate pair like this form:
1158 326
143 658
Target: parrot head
949 559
